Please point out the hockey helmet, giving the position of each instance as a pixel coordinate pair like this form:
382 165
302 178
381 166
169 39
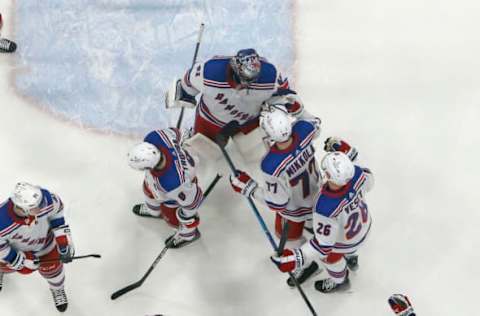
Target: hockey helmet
337 168
27 196
276 123
143 156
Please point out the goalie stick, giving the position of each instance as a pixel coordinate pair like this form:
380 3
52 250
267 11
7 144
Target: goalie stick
139 283
194 60
267 232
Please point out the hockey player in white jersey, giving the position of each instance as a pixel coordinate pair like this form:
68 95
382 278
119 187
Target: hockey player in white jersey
33 229
6 45
231 89
341 220
290 171
170 185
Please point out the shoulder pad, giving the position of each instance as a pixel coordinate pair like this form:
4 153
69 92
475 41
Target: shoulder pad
216 69
268 73
326 205
272 163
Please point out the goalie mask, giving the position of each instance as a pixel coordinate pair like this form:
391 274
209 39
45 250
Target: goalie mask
27 197
143 156
246 65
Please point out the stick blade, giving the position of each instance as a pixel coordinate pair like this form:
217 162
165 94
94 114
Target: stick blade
124 290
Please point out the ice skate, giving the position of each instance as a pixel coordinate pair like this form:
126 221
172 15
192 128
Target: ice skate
142 210
352 262
329 286
7 46
60 299
179 241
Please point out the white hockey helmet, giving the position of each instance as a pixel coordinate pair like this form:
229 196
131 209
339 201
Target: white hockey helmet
143 156
26 196
276 123
337 168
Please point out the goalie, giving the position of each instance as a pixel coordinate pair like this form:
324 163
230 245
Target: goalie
231 90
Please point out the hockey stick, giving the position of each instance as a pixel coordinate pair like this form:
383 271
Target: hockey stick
283 239
267 232
194 60
69 259
139 283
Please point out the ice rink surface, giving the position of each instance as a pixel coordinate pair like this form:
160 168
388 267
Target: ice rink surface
400 80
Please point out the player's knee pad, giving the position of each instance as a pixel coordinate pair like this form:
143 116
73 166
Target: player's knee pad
50 269
333 258
295 230
169 214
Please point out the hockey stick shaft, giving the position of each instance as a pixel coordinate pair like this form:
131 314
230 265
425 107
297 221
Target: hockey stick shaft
283 238
194 60
72 258
267 232
139 283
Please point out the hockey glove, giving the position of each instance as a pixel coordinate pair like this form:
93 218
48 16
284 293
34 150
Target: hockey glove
401 305
25 263
333 144
290 260
64 243
242 183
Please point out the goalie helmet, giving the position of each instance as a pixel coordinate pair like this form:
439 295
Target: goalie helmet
337 168
27 196
276 123
143 156
246 65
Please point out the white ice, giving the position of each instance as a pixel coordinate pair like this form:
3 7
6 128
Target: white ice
399 79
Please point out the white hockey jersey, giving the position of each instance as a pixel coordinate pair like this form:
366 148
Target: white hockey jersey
29 234
291 176
222 100
176 184
341 220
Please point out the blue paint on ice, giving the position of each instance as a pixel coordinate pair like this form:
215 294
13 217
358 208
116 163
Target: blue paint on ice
107 63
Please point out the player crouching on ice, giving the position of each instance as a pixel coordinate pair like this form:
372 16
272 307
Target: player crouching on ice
170 185
341 220
6 46
32 230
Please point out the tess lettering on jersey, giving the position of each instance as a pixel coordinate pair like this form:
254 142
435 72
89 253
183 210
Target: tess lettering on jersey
354 203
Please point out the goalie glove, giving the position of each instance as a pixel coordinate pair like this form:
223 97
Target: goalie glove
333 144
64 241
401 305
242 183
288 100
289 260
177 97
